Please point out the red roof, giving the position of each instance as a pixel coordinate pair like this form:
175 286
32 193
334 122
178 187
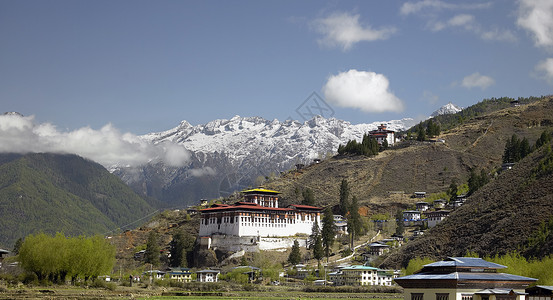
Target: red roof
298 206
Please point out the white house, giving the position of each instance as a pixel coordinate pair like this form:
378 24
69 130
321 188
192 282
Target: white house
435 217
463 278
208 275
383 134
422 206
361 275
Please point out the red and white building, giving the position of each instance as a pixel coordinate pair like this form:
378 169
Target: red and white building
382 134
258 216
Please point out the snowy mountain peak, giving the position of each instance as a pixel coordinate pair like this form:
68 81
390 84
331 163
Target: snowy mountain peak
447 109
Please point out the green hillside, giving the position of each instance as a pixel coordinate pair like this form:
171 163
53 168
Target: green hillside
53 192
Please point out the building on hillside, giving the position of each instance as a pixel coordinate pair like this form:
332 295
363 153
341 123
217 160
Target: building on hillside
419 194
378 249
156 274
358 275
257 223
440 203
435 217
463 278
253 273
340 225
2 254
540 292
207 275
422 206
383 134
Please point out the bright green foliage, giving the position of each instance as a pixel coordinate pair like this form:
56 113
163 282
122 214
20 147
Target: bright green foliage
541 269
151 255
416 264
308 197
180 248
344 197
55 257
237 275
368 147
295 256
328 233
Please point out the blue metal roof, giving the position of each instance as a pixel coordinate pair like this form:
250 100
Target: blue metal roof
468 276
469 262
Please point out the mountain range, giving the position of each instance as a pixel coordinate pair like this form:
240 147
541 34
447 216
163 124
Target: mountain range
229 155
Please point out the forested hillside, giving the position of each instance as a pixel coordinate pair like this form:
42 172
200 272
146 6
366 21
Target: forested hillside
62 193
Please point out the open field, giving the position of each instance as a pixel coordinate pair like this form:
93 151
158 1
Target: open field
157 293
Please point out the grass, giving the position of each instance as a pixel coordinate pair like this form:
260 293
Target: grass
283 295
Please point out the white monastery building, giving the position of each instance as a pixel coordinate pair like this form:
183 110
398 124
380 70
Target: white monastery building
257 223
382 134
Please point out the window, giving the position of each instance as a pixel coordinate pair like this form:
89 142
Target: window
466 296
442 296
417 296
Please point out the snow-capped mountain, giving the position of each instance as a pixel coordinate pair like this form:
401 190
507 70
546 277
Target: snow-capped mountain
226 155
447 109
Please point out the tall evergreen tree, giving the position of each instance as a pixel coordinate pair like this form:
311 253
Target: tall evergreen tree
400 228
180 247
151 255
452 191
354 221
328 233
295 255
318 251
344 197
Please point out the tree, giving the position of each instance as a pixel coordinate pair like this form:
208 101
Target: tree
180 249
344 197
17 246
318 251
295 254
421 134
476 181
354 221
544 138
399 223
328 232
452 191
151 255
308 197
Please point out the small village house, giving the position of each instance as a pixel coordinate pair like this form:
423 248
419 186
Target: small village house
359 275
156 274
435 217
464 278
419 194
2 254
378 249
422 206
439 203
208 275
540 292
180 274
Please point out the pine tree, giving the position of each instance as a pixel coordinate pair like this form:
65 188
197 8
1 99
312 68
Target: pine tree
328 232
354 221
400 228
295 254
344 197
318 251
151 255
179 248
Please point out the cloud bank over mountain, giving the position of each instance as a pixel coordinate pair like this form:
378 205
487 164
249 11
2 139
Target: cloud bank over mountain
107 146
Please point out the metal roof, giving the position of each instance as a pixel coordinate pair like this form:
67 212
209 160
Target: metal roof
467 262
260 191
463 276
360 267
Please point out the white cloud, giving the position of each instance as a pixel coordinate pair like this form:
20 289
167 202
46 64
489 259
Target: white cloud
469 23
107 146
477 80
544 70
205 171
344 30
430 97
536 16
363 90
417 7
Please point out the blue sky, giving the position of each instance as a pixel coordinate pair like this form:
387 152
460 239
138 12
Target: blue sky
143 66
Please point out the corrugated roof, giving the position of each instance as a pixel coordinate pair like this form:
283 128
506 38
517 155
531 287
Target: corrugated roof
462 276
359 267
468 262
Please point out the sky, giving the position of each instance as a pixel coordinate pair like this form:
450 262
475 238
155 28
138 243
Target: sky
125 68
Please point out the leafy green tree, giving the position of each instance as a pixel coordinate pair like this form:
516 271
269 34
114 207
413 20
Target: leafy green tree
151 255
328 232
295 255
452 191
344 197
308 197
